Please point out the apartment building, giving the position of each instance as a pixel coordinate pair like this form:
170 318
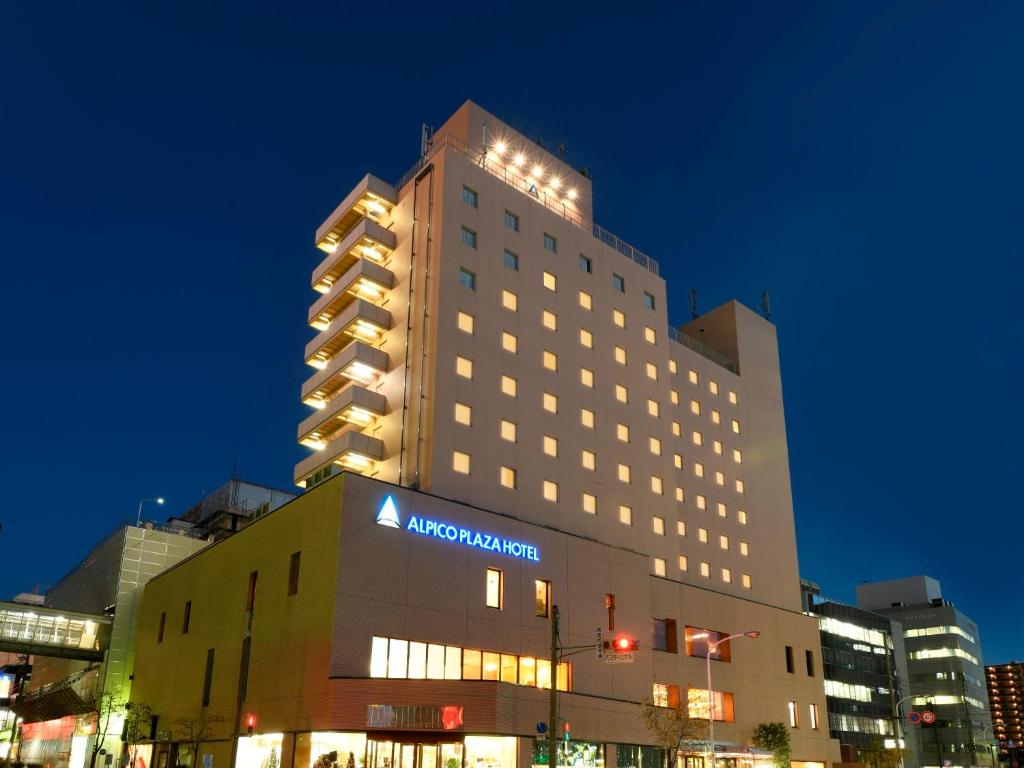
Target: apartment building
1006 697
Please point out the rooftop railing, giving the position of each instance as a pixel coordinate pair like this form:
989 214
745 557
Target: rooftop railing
533 191
702 349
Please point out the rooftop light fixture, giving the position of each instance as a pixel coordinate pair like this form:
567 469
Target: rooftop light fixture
519 160
500 147
538 171
556 182
573 194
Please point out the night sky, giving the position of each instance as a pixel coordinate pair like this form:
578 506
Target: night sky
162 172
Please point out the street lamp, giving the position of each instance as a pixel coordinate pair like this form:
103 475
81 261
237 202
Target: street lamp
713 648
138 517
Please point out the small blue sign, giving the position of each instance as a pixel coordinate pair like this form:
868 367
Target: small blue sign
542 728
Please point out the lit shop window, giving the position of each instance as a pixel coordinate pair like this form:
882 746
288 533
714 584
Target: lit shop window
664 695
467 279
550 360
652 371
732 397
588 460
659 566
620 355
460 462
550 446
509 342
391 658
587 418
625 514
624 473
508 478
587 377
550 402
495 587
509 386
684 563
469 237
589 503
550 490
713 387
463 414
550 281
622 432
510 301
586 301
658 525
464 367
694 378
465 322
721 704
621 393
657 485
655 446
650 336
586 338
508 430
549 320
618 318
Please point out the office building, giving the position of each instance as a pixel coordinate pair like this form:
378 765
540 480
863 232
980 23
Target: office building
1006 698
944 664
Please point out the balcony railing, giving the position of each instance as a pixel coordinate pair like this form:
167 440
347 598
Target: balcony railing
702 349
548 201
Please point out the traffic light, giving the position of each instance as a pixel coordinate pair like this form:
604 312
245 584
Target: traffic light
621 644
250 724
565 732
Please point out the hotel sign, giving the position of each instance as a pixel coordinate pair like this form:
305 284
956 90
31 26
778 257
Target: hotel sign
456 534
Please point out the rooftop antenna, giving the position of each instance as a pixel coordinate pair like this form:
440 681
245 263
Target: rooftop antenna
693 303
766 306
561 151
426 132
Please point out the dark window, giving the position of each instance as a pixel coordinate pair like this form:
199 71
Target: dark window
511 221
208 678
663 635
698 646
469 197
293 573
648 300
789 659
160 629
609 603
511 261
186 618
467 279
250 594
243 672
550 243
619 283
469 237
586 264
809 658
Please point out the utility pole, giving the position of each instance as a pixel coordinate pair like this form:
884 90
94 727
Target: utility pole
553 693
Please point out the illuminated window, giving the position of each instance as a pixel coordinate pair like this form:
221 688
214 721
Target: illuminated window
813 708
460 462
588 460
698 438
673 396
625 514
509 386
619 283
650 336
586 301
587 418
550 281
694 378
659 566
464 367
550 402
672 366
510 301
677 461
469 197
684 563
508 431
624 473
746 580
586 265
794 715
550 360
742 517
550 445
698 469
590 503
716 446
735 426
677 429
549 320
681 527
722 512
622 432
586 377
719 478
695 408
652 371
716 417
465 322
495 588
542 598
463 414
737 456
740 487
618 318
713 387
705 570
550 243
655 445
511 221
727 576
586 338
657 486
509 342
550 491
702 535
620 356
511 261
702 502
658 525
680 494
732 397
507 477
653 408
469 237
467 279
621 393
723 541
744 548
721 704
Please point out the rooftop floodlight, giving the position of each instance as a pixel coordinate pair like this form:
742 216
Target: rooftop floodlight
500 147
519 160
573 194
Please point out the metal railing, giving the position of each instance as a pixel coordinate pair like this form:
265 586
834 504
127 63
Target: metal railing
532 191
702 349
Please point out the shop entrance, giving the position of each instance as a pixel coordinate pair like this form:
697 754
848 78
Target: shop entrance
385 753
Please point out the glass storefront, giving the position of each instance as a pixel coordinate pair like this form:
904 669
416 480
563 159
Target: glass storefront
260 751
572 754
630 756
491 752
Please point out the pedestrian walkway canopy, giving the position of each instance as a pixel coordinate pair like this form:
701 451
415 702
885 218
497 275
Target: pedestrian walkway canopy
42 631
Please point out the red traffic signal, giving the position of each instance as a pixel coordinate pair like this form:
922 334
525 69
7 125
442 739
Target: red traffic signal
621 644
250 724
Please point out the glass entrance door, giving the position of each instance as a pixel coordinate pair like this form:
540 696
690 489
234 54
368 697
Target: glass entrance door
411 754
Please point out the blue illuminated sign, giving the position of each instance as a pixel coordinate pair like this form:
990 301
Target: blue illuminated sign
388 516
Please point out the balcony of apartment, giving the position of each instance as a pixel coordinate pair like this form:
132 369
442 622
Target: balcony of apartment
357 362
352 405
352 450
363 280
368 241
371 198
360 320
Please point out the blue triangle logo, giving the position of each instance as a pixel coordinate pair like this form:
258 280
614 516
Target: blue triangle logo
388 514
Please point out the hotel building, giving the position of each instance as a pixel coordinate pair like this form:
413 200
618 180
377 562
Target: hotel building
1006 697
491 361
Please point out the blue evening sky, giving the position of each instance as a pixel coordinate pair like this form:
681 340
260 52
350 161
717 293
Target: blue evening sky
163 168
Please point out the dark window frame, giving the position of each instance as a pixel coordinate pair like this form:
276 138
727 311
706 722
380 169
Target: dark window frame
294 566
187 617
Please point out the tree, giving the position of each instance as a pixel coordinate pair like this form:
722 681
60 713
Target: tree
193 732
137 720
875 755
775 738
672 727
105 705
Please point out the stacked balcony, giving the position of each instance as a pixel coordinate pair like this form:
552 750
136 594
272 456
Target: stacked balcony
351 323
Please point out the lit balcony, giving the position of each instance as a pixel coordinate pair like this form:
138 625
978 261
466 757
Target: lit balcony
371 197
360 320
368 240
363 280
357 362
352 405
352 450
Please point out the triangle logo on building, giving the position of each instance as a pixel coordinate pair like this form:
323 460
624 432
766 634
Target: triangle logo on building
388 514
